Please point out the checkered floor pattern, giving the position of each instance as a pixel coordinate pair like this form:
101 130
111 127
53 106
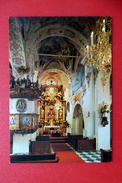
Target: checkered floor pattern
89 156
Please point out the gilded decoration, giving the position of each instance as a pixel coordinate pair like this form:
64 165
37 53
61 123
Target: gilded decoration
14 122
104 76
52 106
99 53
77 97
21 122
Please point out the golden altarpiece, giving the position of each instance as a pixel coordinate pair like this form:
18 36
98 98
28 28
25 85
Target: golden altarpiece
52 108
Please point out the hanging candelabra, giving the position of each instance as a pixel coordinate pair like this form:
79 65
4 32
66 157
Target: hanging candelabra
99 52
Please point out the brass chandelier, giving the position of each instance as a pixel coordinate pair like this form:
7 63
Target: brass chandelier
99 52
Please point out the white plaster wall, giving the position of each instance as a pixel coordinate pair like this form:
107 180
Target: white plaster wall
95 94
21 142
102 133
31 106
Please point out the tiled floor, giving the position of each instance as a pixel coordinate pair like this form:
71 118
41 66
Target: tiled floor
89 156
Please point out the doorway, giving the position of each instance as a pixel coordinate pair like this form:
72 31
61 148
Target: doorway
78 122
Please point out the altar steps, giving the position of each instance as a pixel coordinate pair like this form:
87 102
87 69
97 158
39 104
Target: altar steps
58 139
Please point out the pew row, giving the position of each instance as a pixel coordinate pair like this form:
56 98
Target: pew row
81 144
40 151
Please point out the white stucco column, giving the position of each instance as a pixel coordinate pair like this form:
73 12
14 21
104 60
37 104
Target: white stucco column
102 94
88 106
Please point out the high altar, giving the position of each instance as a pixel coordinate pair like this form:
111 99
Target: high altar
52 107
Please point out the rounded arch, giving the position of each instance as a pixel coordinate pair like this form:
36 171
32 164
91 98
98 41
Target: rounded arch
78 120
74 36
57 75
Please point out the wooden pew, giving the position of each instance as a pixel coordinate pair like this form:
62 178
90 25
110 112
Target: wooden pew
43 138
106 155
40 147
40 151
86 145
71 138
82 144
34 158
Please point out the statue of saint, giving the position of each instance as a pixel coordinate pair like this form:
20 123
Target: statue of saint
27 82
51 122
61 113
12 82
104 112
42 112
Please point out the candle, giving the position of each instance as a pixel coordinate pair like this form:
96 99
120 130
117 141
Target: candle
92 37
103 25
87 47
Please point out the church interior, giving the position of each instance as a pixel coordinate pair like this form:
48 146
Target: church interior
60 89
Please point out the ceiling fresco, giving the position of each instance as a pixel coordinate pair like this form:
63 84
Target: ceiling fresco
33 24
58 50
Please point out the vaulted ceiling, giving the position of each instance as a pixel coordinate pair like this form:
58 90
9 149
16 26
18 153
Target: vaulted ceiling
57 43
31 25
